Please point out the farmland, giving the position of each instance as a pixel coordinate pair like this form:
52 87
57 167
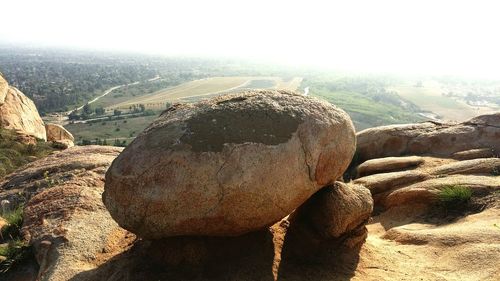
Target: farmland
125 128
444 100
203 88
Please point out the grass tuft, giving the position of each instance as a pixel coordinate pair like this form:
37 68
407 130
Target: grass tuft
13 250
455 195
14 222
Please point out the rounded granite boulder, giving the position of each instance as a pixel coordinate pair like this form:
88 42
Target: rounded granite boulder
229 165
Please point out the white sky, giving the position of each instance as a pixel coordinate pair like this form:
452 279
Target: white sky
416 36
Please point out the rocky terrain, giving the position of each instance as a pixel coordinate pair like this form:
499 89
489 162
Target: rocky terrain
260 186
19 113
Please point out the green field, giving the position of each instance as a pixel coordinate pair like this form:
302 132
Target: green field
126 129
364 111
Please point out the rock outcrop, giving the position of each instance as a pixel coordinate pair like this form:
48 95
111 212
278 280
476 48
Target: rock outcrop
423 184
59 135
423 212
227 166
430 138
64 218
18 112
242 187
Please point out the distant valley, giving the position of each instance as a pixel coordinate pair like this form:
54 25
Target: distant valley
109 99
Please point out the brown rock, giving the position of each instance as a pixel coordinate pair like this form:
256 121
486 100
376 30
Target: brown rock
426 191
429 138
475 229
388 164
64 218
332 221
18 112
474 154
335 210
382 182
59 136
229 165
475 166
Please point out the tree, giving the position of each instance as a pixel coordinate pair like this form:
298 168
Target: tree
87 110
73 115
99 111
117 112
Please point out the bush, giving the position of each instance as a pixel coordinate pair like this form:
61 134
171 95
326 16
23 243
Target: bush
455 195
13 249
15 252
14 221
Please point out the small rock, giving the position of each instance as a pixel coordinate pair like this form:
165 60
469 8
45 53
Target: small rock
335 210
59 136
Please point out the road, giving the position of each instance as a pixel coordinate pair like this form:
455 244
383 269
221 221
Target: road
62 118
107 92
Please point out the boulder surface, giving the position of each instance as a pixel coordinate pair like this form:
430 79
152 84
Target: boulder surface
335 210
430 138
18 112
229 165
59 135
64 218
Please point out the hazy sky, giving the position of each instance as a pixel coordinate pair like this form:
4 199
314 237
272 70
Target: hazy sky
445 37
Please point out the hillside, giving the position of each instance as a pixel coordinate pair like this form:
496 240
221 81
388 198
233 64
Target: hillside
244 198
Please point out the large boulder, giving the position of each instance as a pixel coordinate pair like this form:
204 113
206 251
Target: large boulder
431 138
18 112
229 165
59 135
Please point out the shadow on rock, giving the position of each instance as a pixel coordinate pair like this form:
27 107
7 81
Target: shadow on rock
247 257
272 254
